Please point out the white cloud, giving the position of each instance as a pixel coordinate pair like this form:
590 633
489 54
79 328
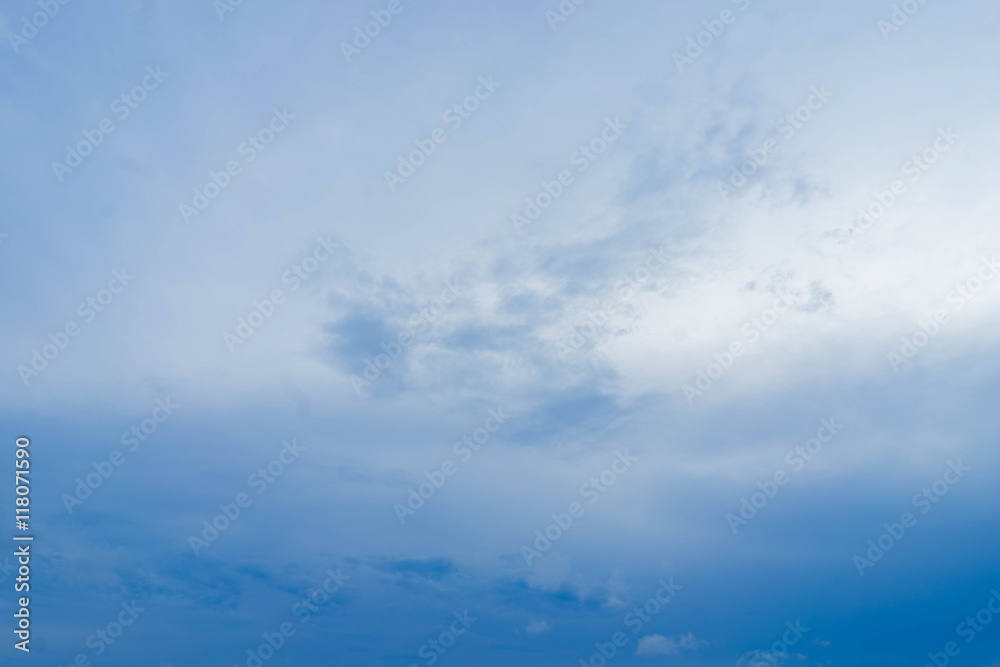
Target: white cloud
654 645
616 587
691 643
758 658
537 627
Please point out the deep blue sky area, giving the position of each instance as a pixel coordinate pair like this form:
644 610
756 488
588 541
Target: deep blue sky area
408 334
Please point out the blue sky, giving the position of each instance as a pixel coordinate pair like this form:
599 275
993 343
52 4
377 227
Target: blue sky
567 312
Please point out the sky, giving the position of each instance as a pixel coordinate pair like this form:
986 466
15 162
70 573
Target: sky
551 333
